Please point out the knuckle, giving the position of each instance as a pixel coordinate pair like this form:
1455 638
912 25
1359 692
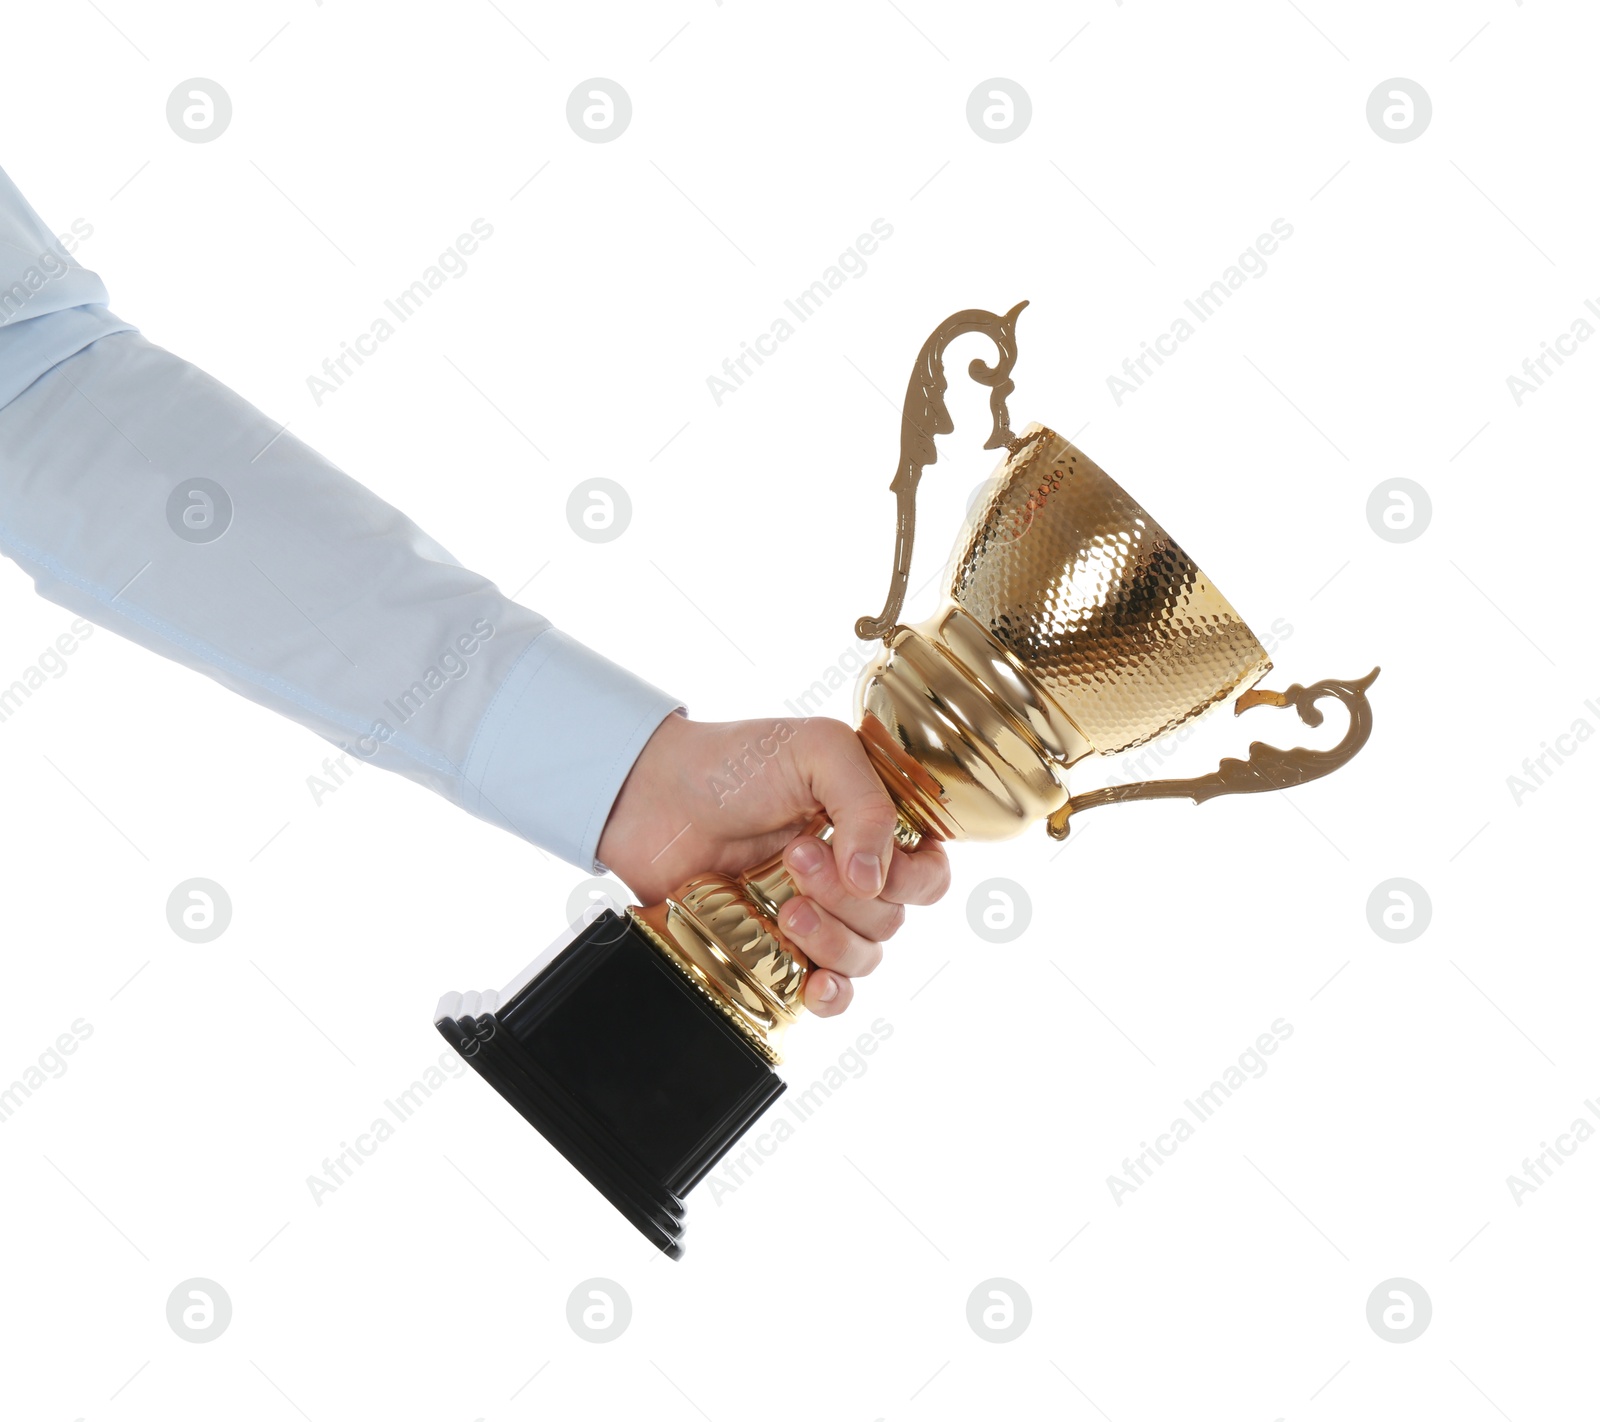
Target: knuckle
927 877
868 824
826 943
876 810
871 957
821 874
834 939
817 733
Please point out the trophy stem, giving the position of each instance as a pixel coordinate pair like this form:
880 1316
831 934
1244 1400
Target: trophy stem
721 931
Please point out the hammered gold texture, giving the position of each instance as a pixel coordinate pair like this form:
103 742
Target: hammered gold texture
1096 600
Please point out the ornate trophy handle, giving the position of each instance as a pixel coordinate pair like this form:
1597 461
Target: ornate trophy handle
926 415
1268 767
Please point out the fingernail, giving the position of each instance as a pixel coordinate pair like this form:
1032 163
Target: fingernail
806 855
866 873
803 920
830 988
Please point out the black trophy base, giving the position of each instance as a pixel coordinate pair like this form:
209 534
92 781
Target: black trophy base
622 1065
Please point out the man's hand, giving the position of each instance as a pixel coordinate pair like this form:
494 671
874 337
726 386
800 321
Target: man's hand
722 796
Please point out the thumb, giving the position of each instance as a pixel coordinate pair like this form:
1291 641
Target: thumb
834 764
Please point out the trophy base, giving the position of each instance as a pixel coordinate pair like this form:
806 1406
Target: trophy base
622 1064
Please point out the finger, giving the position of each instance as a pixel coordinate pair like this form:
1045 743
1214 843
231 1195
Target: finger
834 763
919 877
827 994
826 941
815 871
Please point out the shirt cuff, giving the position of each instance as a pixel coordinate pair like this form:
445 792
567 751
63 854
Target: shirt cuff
558 740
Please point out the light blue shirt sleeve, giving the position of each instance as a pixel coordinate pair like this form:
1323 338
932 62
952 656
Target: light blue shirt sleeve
146 496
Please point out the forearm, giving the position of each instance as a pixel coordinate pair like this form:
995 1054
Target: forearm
316 598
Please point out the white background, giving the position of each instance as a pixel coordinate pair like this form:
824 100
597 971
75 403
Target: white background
1164 938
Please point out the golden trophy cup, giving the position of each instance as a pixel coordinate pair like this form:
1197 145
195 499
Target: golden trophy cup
1073 625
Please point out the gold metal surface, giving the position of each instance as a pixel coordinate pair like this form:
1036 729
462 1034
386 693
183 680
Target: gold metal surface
725 935
1096 600
925 415
1074 625
966 741
722 932
1265 768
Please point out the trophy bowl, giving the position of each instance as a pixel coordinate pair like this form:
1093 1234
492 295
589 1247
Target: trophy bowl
1074 625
